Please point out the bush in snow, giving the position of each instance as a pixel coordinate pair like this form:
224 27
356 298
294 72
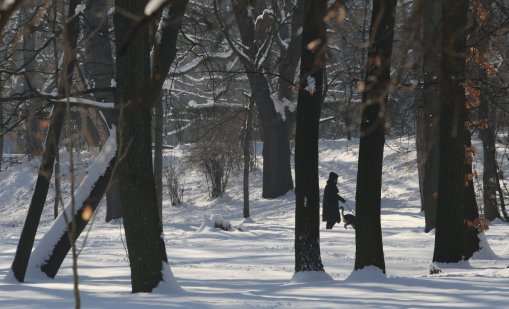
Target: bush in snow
173 185
217 154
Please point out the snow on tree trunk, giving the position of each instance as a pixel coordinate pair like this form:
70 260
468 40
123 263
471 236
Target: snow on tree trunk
51 250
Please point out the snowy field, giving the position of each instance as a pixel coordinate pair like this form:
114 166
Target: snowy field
254 268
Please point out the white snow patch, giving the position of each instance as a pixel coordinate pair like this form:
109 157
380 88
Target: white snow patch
153 6
280 105
486 253
169 283
311 84
80 9
310 276
368 273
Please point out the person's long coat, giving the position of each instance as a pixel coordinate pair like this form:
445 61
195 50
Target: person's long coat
331 200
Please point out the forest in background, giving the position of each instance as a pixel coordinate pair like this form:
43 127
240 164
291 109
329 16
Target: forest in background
218 75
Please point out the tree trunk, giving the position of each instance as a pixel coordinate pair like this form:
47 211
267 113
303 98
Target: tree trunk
429 157
277 175
449 235
142 223
290 58
247 156
487 134
99 71
33 130
307 194
368 233
26 241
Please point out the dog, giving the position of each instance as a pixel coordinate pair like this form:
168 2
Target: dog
347 219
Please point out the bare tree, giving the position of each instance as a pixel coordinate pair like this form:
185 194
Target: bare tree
368 233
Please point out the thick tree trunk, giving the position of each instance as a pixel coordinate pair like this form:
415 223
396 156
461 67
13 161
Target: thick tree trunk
368 233
26 241
449 237
142 223
307 193
431 110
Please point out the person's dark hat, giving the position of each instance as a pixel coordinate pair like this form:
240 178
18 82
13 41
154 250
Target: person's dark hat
333 176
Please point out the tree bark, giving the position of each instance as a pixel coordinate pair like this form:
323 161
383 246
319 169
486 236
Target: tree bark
368 233
449 235
26 241
429 157
137 89
307 194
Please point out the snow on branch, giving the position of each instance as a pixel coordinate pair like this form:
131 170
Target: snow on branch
87 102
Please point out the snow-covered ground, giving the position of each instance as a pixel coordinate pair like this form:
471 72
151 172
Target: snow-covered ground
254 268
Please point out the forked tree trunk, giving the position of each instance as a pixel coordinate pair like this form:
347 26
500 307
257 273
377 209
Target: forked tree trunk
277 175
368 233
309 105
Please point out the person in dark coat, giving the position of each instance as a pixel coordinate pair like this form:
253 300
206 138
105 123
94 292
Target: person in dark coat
331 200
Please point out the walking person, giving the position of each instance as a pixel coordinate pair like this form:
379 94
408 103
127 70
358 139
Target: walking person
331 200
